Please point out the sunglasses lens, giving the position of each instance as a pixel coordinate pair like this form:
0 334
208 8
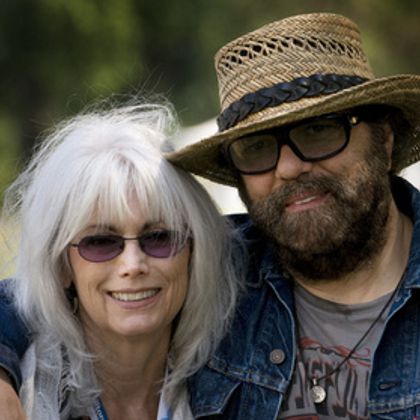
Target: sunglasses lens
254 153
160 244
100 248
320 138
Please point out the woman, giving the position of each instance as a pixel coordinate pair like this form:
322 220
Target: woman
125 273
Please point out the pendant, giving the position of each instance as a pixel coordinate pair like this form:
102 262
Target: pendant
318 393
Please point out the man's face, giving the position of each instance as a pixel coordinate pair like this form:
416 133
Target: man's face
326 218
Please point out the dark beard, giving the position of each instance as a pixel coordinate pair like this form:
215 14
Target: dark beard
344 234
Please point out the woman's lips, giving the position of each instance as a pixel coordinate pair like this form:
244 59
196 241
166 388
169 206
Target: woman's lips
134 296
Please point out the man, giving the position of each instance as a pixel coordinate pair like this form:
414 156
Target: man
329 325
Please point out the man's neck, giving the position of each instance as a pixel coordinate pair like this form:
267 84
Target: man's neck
375 279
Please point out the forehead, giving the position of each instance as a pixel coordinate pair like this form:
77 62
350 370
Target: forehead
131 211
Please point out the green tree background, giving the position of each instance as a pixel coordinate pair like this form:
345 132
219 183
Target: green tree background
57 56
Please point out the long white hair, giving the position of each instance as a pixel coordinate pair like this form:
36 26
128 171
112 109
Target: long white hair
91 165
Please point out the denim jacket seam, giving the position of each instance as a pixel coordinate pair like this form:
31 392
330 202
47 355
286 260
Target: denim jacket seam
248 380
400 403
205 408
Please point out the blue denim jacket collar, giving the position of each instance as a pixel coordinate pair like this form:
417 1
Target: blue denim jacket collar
265 324
408 200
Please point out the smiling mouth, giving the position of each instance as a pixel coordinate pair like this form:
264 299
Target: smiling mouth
305 200
134 297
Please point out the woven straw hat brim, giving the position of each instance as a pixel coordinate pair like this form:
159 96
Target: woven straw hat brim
205 159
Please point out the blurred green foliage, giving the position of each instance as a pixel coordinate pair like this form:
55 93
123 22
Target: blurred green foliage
57 56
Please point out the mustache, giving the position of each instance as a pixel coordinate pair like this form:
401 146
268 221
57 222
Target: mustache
320 184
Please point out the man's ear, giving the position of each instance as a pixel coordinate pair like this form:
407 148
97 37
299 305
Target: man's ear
388 142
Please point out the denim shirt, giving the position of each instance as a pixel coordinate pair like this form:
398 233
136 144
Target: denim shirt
248 376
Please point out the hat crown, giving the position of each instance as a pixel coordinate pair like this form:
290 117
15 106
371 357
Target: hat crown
282 51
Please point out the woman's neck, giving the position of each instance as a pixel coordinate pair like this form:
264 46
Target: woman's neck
130 373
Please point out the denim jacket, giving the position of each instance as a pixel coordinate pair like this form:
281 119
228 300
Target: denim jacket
248 376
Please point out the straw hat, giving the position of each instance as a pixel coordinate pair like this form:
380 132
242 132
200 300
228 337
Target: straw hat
292 69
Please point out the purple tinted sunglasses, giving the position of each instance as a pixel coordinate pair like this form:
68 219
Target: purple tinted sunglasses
157 243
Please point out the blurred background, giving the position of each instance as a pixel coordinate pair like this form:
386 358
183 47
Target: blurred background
57 56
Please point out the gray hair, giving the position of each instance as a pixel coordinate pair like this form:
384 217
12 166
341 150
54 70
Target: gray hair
94 161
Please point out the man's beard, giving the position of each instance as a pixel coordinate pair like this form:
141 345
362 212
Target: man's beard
340 236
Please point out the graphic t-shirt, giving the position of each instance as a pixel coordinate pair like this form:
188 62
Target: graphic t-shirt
327 333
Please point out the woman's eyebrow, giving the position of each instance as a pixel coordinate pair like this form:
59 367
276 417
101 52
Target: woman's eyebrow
100 226
153 223
113 228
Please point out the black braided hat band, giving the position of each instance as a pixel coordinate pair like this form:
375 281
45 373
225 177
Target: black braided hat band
302 87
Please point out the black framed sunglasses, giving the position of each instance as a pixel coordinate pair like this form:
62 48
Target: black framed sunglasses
311 140
160 243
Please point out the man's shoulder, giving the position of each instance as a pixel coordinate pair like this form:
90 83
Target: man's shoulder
244 225
239 219
260 252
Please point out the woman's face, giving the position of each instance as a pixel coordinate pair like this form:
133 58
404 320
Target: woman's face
132 295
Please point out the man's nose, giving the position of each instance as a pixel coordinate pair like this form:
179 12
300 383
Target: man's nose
290 166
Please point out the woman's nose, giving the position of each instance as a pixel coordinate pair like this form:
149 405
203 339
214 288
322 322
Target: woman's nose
133 261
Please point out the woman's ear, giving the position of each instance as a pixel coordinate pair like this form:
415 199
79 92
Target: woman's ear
66 279
66 269
72 297
66 282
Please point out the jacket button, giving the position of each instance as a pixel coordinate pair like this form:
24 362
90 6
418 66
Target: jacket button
277 356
